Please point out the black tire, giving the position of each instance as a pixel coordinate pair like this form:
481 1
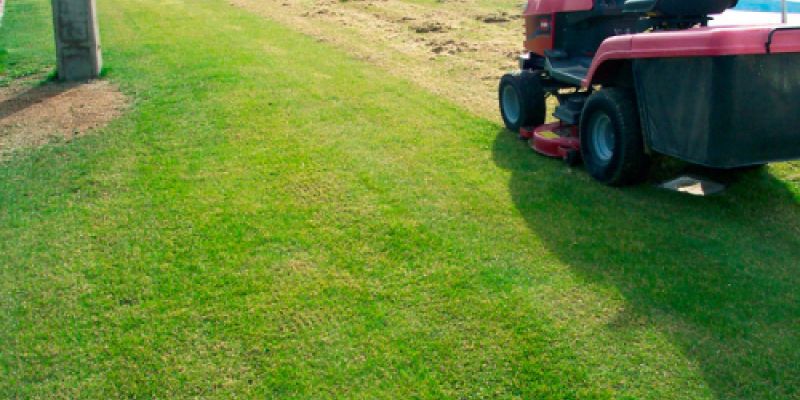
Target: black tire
526 89
611 139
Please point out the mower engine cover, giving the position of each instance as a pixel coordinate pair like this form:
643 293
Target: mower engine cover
679 8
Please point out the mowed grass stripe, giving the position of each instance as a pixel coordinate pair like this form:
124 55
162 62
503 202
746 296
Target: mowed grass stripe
223 244
276 219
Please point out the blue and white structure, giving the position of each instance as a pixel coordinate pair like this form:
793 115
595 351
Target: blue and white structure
749 12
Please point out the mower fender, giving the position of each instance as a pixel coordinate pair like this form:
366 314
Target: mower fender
696 42
615 72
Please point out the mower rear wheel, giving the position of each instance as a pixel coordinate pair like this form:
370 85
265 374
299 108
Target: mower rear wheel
611 140
522 100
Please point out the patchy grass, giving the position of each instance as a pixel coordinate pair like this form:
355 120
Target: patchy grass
275 219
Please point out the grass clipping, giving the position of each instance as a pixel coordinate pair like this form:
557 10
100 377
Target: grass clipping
33 115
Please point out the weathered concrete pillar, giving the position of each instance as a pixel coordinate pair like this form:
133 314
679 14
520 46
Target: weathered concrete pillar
77 39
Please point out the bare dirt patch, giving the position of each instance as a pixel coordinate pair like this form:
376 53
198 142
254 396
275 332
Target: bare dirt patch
430 27
33 114
497 17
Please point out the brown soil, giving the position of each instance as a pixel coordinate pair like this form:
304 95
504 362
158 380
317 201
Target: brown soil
32 115
455 49
497 17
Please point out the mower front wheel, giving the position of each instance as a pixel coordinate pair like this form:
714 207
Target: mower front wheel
522 100
611 140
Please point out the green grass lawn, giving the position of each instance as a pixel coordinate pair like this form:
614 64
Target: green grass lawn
26 40
275 219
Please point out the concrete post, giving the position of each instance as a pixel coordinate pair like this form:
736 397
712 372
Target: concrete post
77 39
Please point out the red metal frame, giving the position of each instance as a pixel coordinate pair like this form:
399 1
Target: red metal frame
537 11
537 40
695 42
568 139
539 7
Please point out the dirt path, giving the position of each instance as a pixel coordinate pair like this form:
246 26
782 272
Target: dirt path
455 49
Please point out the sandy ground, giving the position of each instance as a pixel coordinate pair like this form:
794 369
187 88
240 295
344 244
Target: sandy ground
31 114
455 49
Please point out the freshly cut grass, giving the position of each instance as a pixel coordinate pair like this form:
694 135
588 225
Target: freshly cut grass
275 219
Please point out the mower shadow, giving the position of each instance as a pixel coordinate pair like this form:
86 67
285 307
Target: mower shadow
718 276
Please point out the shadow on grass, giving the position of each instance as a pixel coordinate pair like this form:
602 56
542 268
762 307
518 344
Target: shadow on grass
35 95
718 275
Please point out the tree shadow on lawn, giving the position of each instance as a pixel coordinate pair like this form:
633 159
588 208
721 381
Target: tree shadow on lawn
10 105
718 276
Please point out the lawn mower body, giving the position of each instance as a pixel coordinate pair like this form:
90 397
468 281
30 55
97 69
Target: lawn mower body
723 97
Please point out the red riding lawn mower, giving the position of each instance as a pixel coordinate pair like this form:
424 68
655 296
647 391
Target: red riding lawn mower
638 77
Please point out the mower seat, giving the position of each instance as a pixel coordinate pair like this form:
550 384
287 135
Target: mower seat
679 8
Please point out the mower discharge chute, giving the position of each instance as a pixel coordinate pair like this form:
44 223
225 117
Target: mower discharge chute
638 77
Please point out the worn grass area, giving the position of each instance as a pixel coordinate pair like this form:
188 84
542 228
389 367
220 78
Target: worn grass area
448 48
275 219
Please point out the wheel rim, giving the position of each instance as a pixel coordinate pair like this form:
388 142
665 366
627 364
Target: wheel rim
602 137
511 106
